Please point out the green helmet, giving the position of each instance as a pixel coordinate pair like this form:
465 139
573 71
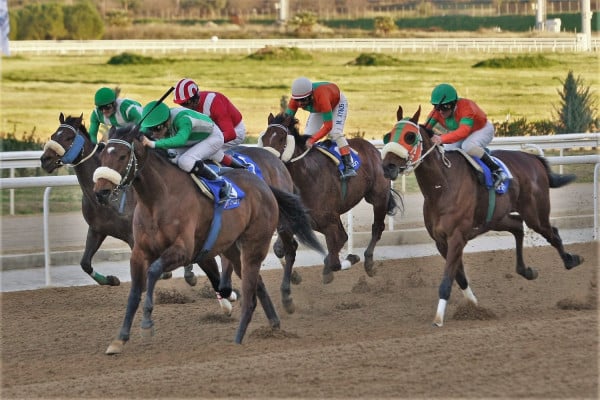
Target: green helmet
153 114
104 96
443 93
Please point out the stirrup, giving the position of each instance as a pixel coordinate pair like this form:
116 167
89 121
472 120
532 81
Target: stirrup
224 193
348 173
499 178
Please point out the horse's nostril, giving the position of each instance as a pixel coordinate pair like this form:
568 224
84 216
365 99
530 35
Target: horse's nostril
102 196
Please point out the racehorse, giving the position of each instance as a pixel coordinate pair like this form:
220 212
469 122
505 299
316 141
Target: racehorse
172 226
71 145
457 207
325 195
275 174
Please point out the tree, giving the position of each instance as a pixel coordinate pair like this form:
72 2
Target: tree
385 25
303 22
82 21
577 109
41 22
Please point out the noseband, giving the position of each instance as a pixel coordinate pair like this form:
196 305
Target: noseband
121 182
74 151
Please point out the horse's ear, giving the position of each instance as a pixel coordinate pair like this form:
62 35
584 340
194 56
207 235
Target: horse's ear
386 138
415 118
399 114
61 118
270 118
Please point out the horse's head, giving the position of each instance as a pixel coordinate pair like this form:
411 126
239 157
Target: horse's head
119 161
403 145
66 145
282 137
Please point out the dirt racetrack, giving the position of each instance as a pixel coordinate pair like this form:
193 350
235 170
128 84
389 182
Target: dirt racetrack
358 337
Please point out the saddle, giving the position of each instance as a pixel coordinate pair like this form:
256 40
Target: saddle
330 149
484 175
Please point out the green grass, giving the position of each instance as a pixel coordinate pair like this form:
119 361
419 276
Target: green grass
36 89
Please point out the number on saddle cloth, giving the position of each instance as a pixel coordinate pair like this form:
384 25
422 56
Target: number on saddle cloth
331 148
489 179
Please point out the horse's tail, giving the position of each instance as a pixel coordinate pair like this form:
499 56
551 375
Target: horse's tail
556 180
294 216
395 203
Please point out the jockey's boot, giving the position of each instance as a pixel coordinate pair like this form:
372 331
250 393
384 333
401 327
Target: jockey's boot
202 170
231 162
497 172
348 168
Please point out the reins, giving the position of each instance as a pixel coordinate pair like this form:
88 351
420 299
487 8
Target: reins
283 156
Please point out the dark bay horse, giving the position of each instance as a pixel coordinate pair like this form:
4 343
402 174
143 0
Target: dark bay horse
71 145
276 174
172 223
322 191
457 208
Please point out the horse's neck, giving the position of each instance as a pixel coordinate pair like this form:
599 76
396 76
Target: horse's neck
431 174
85 172
158 181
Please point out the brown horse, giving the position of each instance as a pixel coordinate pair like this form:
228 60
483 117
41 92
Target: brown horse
71 145
458 207
172 223
275 174
325 195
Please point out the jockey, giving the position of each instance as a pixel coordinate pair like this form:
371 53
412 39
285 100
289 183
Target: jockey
219 108
194 135
324 101
112 111
460 124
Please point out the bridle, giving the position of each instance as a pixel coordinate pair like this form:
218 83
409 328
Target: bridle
288 149
68 156
121 181
411 156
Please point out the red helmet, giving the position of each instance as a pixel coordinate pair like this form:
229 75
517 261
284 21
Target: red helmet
184 90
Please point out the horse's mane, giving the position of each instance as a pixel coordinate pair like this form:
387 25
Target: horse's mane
292 124
79 123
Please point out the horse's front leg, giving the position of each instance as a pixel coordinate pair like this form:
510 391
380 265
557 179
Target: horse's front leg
376 231
138 266
335 238
93 242
170 259
223 289
453 257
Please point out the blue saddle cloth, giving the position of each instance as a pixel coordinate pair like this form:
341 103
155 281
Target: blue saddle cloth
251 165
332 148
487 174
236 194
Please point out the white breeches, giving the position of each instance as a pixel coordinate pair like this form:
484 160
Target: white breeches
240 136
315 122
476 141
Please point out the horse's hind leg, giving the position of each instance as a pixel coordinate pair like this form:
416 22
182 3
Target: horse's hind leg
93 242
189 275
514 224
211 269
540 223
288 247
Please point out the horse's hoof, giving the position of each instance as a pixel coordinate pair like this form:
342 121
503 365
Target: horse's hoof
530 274
226 306
437 324
190 278
234 296
116 347
288 305
296 278
147 332
327 278
370 268
572 260
166 275
353 258
112 280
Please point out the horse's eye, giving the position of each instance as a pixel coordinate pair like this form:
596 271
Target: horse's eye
411 138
